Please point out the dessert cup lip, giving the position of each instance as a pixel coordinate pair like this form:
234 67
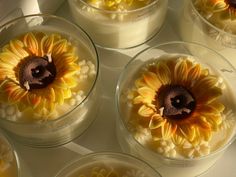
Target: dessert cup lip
116 12
78 28
210 24
5 137
120 156
123 124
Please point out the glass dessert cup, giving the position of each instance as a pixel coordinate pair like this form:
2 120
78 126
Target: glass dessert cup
9 162
116 25
212 23
108 164
176 108
49 69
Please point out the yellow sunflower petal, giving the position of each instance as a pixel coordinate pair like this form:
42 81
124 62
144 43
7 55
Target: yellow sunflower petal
208 109
167 130
147 93
47 43
206 83
189 132
194 73
202 122
178 140
209 95
145 111
70 81
140 83
181 72
31 43
67 93
59 47
163 72
156 121
16 47
13 91
152 81
9 58
34 100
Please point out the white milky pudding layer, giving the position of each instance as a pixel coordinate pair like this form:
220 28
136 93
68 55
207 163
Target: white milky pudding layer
119 23
46 79
211 22
179 109
8 165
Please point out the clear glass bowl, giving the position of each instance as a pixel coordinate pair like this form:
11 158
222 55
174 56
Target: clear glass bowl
147 129
195 27
9 161
119 29
67 104
108 164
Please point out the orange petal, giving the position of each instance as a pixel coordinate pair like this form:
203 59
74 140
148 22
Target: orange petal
145 111
152 81
31 43
163 72
168 130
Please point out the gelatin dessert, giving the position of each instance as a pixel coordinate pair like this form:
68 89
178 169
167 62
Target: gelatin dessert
176 110
119 23
212 23
9 166
106 164
46 80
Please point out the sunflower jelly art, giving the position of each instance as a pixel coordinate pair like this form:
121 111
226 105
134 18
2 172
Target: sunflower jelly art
46 77
210 22
176 106
112 23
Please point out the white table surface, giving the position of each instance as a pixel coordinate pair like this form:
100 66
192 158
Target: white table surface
101 134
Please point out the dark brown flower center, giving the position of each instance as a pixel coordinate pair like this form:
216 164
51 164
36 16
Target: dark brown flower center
232 3
177 101
37 72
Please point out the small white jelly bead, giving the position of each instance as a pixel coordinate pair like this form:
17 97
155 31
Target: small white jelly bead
167 148
160 150
91 65
72 102
163 143
18 114
84 69
78 98
172 153
92 72
81 63
80 92
10 110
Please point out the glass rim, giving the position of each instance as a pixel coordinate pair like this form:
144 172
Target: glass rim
210 24
108 155
78 28
123 124
13 149
116 12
